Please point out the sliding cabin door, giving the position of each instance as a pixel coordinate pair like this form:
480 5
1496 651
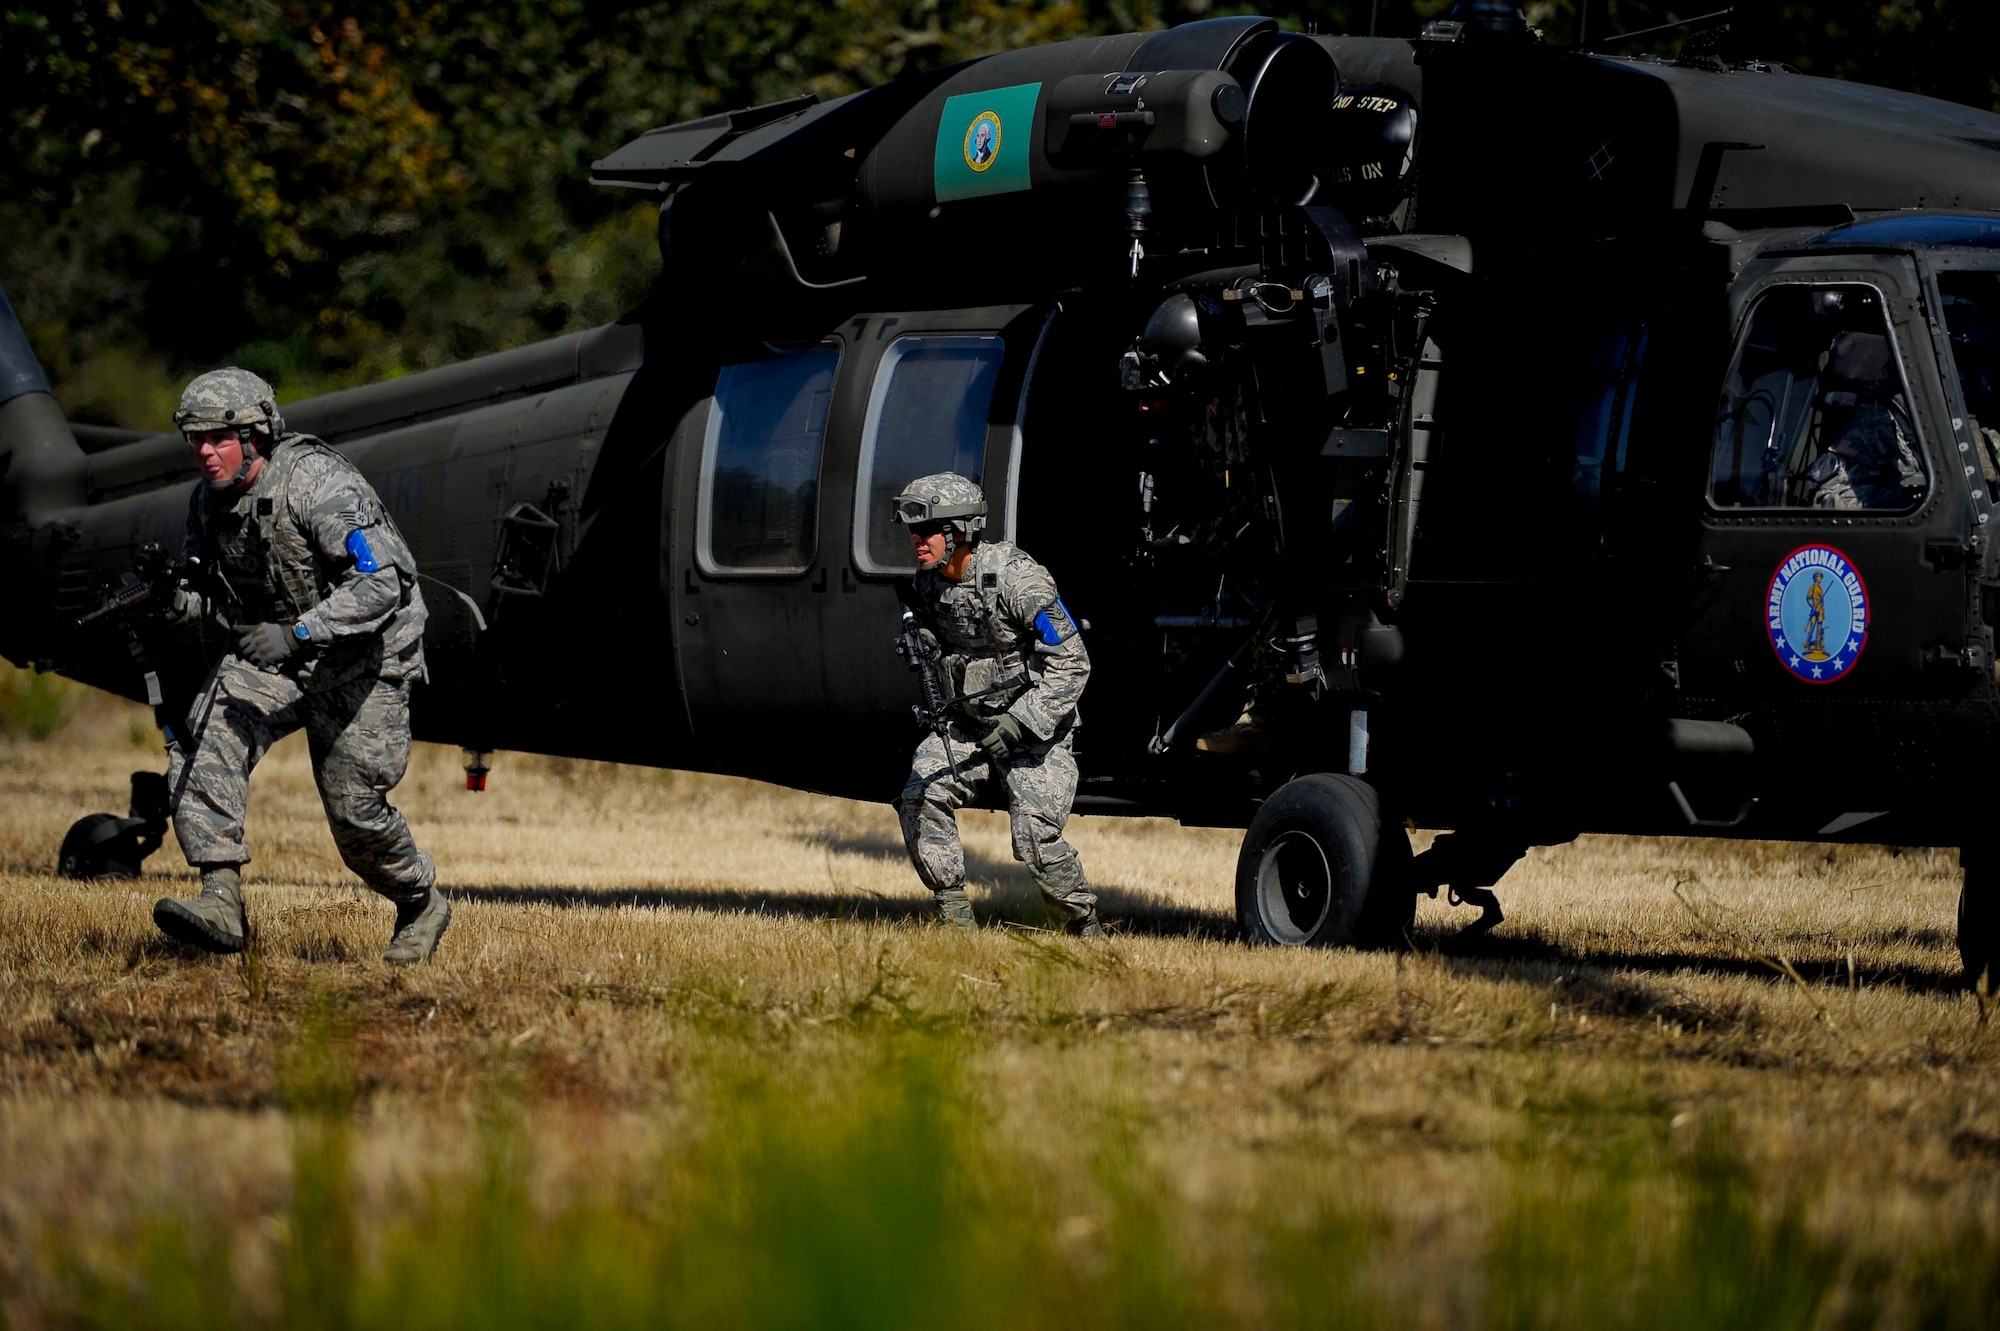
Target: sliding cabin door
785 554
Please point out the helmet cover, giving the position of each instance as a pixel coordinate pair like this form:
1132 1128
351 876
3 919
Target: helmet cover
229 399
943 497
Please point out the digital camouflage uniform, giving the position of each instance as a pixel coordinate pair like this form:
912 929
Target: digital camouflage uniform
1873 463
1009 647
306 542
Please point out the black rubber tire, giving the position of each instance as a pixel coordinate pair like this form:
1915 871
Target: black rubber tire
1979 926
1321 867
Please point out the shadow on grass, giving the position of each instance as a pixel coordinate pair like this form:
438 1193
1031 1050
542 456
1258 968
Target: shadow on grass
135 952
1128 911
1011 898
802 905
890 850
1503 956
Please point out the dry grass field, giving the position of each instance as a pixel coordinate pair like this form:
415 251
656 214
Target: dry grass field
692 1054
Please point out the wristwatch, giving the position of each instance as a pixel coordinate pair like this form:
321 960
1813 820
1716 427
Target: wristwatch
301 632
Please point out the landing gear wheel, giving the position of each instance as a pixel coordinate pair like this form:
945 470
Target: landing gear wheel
1979 927
1320 869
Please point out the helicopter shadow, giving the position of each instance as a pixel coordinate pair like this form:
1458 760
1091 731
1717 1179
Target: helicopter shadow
1015 899
1010 897
1505 957
802 905
1127 911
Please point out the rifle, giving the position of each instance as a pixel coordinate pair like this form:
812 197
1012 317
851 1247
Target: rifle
151 576
152 580
921 653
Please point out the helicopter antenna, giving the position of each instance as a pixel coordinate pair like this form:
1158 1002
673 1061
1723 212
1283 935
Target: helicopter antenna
1698 22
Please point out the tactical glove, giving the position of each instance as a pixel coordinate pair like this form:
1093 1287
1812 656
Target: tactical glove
1006 736
185 608
266 644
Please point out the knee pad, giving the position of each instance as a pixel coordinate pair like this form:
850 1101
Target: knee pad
1062 876
1032 840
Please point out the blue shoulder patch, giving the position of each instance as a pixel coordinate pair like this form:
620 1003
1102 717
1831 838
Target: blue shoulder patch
364 558
1055 624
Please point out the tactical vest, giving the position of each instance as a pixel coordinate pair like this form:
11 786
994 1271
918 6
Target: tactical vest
257 546
986 657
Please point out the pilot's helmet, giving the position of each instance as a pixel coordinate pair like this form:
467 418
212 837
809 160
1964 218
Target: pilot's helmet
1859 358
230 399
945 497
1169 351
1173 335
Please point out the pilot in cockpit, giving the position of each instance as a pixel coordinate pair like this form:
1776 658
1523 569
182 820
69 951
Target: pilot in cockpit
1872 461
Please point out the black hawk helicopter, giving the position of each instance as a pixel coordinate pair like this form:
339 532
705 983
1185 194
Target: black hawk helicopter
1546 441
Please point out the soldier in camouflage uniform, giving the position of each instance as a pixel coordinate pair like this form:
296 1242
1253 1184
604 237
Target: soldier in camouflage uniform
1015 667
1872 462
305 567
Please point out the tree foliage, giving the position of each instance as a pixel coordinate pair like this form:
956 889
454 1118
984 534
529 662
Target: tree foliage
334 190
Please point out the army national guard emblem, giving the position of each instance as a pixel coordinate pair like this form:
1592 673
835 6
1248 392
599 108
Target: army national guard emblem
982 141
1817 614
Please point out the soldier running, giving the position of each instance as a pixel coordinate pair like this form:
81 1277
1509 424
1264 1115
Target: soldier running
307 569
1016 666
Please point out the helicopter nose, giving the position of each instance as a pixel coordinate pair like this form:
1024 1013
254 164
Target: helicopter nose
41 464
41 476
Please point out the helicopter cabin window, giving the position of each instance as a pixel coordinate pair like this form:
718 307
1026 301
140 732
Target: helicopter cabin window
1603 430
1972 319
927 413
1815 413
760 462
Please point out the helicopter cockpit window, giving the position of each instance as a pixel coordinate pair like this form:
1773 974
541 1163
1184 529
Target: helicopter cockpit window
927 413
760 462
1815 413
1972 318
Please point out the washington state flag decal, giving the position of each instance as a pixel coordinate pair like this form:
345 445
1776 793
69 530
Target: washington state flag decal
982 142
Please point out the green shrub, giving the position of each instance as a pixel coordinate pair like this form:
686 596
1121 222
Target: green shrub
34 705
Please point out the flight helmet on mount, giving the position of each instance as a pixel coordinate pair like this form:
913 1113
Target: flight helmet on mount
233 399
947 500
1169 351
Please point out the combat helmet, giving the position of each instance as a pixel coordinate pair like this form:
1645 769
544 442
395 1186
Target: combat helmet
233 399
945 498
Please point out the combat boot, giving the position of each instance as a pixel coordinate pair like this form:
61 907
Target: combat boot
1079 920
420 923
213 921
1252 736
955 909
1084 925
